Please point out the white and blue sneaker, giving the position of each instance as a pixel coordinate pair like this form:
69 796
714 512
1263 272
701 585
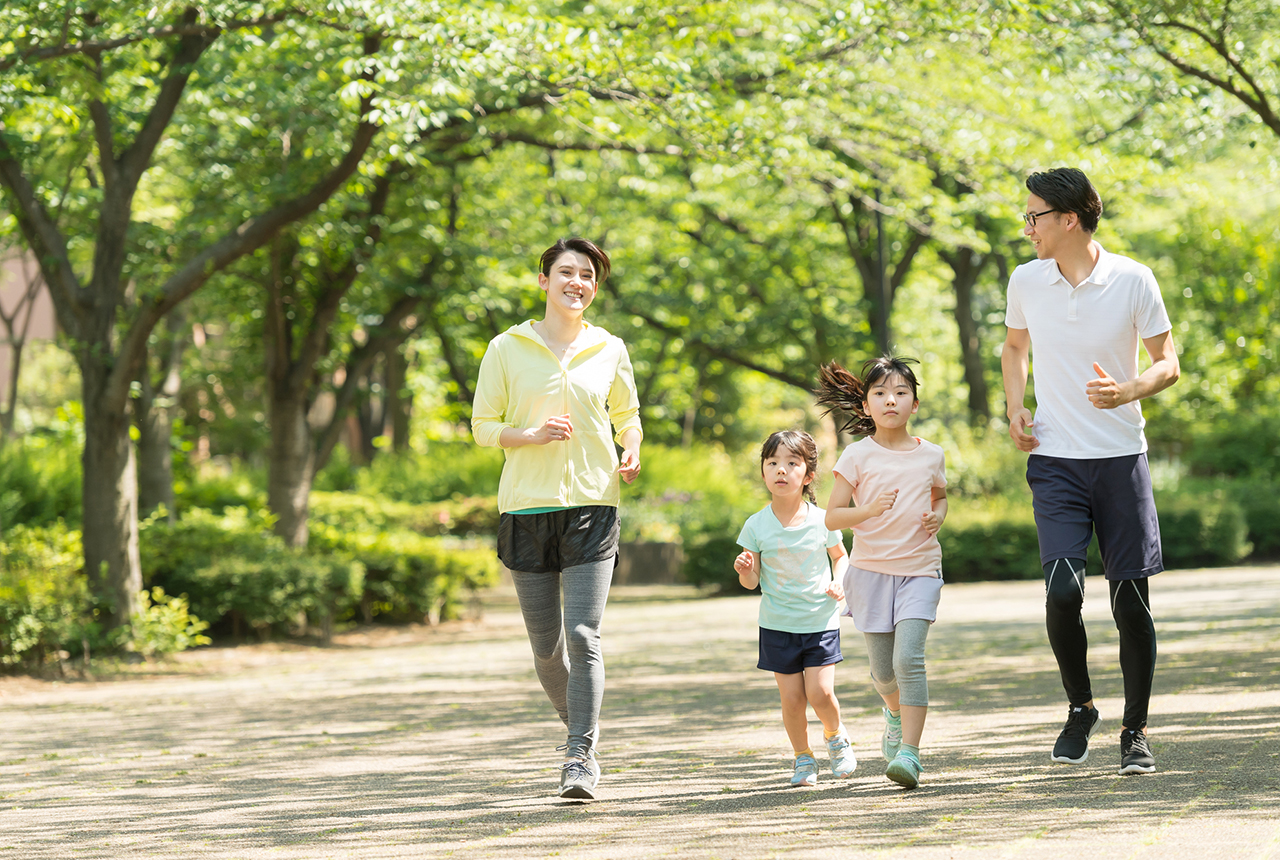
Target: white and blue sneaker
806 770
892 737
840 753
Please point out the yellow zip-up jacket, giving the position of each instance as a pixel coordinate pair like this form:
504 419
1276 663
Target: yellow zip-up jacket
522 384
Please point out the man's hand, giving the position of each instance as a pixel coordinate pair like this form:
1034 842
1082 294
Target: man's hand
1104 392
1019 425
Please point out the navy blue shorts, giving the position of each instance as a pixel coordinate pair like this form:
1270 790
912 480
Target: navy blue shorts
1112 496
551 541
792 653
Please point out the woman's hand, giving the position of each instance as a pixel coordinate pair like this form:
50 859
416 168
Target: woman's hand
629 466
558 428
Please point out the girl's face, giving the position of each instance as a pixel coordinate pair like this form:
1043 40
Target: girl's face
785 473
890 403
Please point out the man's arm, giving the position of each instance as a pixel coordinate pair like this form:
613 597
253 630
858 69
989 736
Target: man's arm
1105 393
1015 363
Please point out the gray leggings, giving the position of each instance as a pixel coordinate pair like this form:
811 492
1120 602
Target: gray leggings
897 662
572 674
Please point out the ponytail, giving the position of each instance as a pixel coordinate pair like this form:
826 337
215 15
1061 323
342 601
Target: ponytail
841 391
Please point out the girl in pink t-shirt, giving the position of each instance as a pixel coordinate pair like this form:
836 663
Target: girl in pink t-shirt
890 489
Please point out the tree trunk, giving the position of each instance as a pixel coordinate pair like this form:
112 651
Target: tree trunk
399 400
967 265
292 466
157 406
110 491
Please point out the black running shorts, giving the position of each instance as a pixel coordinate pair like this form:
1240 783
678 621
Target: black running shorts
551 541
1111 496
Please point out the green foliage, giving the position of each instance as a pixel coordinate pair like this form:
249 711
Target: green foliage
709 561
233 571
163 625
45 605
1260 501
445 470
1237 446
218 490
39 481
409 577
1202 529
464 517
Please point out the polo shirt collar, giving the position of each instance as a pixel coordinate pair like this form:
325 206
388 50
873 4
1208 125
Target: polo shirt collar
1102 269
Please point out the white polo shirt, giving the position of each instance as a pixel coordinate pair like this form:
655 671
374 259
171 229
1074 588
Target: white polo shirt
1103 319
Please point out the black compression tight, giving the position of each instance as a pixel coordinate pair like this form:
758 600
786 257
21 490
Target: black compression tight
1131 609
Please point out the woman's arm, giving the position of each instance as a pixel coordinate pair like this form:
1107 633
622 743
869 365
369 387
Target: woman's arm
629 466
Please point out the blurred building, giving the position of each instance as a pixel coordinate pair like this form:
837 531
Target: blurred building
26 309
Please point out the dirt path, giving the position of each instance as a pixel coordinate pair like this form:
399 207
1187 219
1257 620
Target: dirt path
420 743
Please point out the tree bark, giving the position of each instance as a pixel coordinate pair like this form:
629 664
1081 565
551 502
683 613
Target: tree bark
966 266
110 528
399 399
293 465
157 405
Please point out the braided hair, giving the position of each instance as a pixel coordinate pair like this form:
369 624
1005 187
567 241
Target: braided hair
841 391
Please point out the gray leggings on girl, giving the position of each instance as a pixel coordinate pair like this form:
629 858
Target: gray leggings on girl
566 649
897 661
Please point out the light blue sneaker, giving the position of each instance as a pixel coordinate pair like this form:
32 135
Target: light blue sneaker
904 770
579 777
806 770
892 737
840 753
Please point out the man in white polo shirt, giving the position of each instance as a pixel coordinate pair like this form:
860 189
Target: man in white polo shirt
1081 312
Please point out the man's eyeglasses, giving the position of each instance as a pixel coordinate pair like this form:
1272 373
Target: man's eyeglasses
1029 218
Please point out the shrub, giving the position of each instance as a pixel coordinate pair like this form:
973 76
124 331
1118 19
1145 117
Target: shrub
999 550
164 626
1202 530
409 577
710 562
45 605
1260 502
446 470
463 517
39 481
231 569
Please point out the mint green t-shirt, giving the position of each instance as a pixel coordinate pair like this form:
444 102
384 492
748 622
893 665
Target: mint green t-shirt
795 571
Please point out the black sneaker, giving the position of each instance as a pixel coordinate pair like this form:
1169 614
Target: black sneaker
1135 755
1073 744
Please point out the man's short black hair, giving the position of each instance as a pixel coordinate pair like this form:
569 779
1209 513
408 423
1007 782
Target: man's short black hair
1067 189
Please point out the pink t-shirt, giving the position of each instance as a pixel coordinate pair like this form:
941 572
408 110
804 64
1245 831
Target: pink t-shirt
895 542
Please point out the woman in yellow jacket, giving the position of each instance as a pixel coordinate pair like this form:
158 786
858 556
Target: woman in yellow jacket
547 393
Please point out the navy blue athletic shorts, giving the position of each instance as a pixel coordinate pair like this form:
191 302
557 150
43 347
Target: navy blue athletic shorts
551 541
792 653
1110 496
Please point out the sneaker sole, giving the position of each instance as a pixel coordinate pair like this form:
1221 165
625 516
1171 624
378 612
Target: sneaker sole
1137 768
902 778
577 792
805 783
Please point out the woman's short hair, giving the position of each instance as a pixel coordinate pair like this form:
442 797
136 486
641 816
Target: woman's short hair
587 248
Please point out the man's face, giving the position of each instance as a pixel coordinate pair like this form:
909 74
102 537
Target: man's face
1046 234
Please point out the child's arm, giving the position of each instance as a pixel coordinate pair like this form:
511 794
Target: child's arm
747 564
840 516
933 520
839 564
